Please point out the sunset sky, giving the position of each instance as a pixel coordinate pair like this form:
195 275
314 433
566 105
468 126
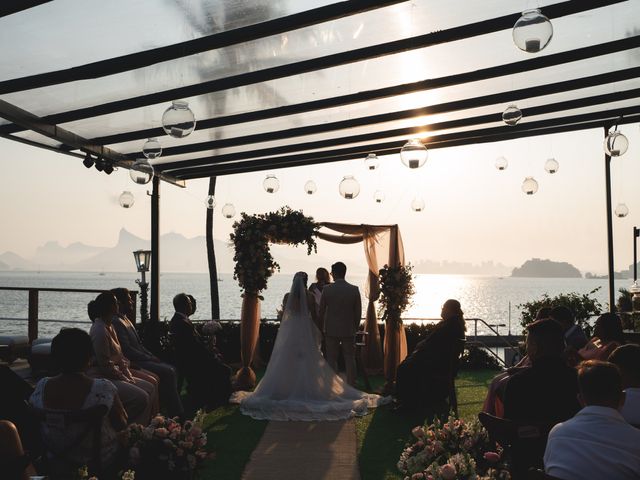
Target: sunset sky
473 211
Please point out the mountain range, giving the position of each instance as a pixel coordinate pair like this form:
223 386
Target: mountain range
179 254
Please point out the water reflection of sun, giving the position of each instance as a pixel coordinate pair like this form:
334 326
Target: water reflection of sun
433 290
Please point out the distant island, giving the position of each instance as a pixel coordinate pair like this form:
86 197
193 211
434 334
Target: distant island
546 269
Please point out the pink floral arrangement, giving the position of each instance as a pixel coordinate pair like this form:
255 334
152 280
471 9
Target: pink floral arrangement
453 450
166 445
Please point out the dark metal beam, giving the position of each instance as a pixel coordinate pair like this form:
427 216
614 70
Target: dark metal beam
610 262
32 143
366 53
191 47
488 135
493 99
9 7
155 251
377 94
401 132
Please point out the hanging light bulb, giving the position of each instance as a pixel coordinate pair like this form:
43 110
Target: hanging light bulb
501 163
141 171
414 154
379 196
210 202
621 210
310 187
552 165
532 32
417 204
228 210
511 115
152 148
529 186
616 144
271 184
349 187
178 120
371 162
126 199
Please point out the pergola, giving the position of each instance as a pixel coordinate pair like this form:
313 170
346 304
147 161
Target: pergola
277 84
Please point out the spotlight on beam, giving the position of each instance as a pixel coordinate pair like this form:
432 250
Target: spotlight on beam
88 161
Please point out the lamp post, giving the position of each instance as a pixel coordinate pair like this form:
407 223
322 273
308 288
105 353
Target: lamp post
636 234
143 260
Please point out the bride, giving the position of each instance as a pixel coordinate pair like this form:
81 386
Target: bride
298 383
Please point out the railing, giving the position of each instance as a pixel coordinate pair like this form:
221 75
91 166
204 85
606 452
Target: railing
33 311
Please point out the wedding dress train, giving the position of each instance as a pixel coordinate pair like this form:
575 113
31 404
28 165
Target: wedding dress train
298 383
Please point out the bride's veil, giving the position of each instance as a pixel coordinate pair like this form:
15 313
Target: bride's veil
297 304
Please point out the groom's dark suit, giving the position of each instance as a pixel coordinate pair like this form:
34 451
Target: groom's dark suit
340 312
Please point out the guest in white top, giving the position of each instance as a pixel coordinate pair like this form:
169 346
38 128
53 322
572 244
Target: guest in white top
597 443
627 359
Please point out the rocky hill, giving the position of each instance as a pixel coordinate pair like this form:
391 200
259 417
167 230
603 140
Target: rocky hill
546 269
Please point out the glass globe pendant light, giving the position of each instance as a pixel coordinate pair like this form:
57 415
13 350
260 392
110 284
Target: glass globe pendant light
349 187
529 186
141 171
210 202
413 154
371 162
228 210
616 144
551 165
501 163
621 210
152 148
178 120
271 184
417 204
126 199
512 115
310 187
379 196
532 32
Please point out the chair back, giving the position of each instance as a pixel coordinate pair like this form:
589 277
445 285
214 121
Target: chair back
58 461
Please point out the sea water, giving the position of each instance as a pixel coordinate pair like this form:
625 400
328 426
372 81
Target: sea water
493 299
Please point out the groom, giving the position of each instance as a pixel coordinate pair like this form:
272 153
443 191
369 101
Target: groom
340 312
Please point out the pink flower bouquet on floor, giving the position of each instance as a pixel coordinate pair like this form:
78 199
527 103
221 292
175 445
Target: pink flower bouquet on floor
166 448
454 450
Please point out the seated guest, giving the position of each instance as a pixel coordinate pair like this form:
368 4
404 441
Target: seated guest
597 443
627 359
542 395
573 334
493 403
138 394
74 390
14 463
208 377
424 377
607 336
140 357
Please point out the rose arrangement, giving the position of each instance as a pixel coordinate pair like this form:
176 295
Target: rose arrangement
396 290
166 448
453 450
251 237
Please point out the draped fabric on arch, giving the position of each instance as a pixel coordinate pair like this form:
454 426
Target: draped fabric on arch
382 245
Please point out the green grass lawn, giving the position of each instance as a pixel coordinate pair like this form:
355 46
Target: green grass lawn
381 435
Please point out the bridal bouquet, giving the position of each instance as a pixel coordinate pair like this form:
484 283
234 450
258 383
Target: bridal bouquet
453 450
166 448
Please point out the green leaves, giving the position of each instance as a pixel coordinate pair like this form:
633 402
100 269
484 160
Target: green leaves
396 291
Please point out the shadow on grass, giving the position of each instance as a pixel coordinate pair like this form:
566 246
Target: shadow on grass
232 437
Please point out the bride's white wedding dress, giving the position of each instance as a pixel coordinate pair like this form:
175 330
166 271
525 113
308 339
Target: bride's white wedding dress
298 383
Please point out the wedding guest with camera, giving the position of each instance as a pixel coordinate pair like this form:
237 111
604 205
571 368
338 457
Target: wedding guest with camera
607 336
140 357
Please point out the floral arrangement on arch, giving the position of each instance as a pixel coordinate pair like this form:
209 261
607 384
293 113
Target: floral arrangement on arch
252 235
453 450
396 291
166 448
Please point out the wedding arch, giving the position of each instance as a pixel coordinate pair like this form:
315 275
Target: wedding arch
254 264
